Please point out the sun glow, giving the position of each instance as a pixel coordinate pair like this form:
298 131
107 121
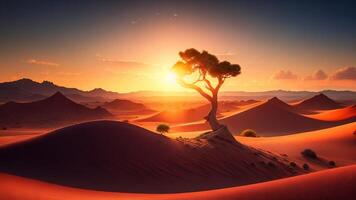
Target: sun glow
171 78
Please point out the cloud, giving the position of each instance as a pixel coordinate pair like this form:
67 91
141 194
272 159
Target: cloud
41 62
123 63
284 75
318 75
346 73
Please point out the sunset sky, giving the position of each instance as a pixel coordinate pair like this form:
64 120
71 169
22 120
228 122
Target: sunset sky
129 46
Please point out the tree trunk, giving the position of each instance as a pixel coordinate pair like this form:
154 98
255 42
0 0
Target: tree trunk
211 118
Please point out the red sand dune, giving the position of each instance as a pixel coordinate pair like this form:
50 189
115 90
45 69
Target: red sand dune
273 117
325 185
195 114
318 102
348 113
56 109
126 106
337 144
115 156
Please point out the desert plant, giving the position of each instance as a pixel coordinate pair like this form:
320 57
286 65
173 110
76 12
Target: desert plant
271 164
204 68
248 133
309 153
162 128
332 163
293 164
305 166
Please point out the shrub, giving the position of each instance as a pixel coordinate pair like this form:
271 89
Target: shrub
293 164
125 121
309 153
162 128
305 166
248 133
332 163
271 164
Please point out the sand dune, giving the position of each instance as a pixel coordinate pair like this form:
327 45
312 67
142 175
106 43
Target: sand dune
114 156
326 185
53 110
273 117
122 106
348 113
195 114
317 102
337 144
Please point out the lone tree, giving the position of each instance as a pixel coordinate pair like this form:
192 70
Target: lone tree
162 128
203 72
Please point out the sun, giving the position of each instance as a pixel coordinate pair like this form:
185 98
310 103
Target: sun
171 78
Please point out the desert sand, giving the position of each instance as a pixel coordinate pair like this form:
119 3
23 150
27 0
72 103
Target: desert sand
348 113
337 144
56 110
116 156
325 185
197 113
273 117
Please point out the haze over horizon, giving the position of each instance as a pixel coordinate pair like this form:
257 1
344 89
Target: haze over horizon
123 47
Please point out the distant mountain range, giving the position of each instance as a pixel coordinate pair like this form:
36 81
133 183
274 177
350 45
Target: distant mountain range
28 90
52 111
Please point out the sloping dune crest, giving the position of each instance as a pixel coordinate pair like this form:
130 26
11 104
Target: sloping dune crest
348 113
116 156
326 185
195 114
317 102
273 117
54 110
337 144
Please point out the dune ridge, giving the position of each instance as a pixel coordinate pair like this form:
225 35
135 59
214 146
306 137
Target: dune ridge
116 156
274 117
54 110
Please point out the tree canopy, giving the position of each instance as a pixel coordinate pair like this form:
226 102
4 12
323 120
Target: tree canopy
205 64
162 128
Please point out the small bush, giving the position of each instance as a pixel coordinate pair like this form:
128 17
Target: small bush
125 121
305 166
309 153
332 163
271 164
162 128
248 133
293 164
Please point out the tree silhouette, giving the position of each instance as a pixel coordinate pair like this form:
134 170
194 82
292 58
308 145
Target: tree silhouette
203 72
162 128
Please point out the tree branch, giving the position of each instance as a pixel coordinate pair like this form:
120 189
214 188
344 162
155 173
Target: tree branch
208 83
194 87
221 81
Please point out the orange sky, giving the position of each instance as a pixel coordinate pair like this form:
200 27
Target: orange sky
135 52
